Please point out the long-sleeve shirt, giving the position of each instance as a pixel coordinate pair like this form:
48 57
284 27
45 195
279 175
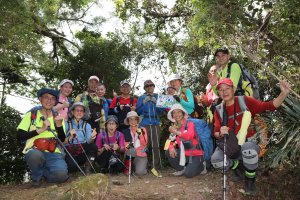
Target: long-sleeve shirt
253 105
84 134
187 99
142 139
110 140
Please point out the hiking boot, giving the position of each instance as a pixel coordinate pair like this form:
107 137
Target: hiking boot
250 188
155 173
36 184
204 171
179 173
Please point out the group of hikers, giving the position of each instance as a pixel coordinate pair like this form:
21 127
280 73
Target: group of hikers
118 135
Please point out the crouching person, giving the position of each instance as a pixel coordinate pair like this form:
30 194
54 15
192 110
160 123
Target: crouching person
111 146
80 139
184 153
39 128
232 120
136 145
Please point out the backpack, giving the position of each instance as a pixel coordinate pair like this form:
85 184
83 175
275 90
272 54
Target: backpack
33 115
198 110
104 134
247 84
83 127
204 134
121 115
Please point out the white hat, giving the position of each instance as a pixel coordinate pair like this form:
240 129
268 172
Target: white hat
124 82
174 77
132 114
86 115
94 77
176 106
65 81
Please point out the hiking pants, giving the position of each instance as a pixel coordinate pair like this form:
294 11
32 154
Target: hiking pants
50 165
103 161
153 132
90 149
192 169
249 156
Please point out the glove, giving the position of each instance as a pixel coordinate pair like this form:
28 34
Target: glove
147 98
139 131
176 97
153 99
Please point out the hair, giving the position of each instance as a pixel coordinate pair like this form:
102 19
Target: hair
101 84
183 113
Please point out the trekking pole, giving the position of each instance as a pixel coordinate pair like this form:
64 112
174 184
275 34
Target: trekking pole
129 174
224 123
85 154
63 146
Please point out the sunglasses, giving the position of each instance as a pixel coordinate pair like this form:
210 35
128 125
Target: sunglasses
152 85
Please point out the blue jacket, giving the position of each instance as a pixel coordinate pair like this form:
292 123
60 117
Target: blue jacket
148 111
84 136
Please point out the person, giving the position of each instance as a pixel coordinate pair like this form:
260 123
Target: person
64 102
90 100
184 153
123 104
80 138
245 159
146 107
100 91
39 129
111 146
136 141
184 96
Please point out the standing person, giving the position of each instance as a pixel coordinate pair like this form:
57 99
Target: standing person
184 96
41 154
136 140
184 154
243 150
123 104
64 100
101 91
80 137
146 107
90 100
111 146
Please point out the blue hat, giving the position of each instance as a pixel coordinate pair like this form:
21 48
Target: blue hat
48 91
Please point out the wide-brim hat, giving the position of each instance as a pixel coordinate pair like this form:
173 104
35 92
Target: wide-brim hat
226 81
64 82
148 82
112 118
176 106
48 91
132 114
174 77
86 115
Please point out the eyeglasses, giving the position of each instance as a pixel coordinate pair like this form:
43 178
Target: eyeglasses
49 98
79 110
149 86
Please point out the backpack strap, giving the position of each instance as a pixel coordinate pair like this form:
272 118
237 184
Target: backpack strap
239 88
33 115
220 110
131 101
183 95
84 128
118 101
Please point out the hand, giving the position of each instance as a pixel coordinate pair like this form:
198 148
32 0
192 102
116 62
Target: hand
72 134
121 107
133 108
173 130
285 87
106 147
173 153
65 104
115 146
212 79
114 94
94 134
139 131
176 97
58 120
224 130
46 124
146 99
153 99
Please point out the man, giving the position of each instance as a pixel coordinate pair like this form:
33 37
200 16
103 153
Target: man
123 104
94 103
41 154
146 107
247 158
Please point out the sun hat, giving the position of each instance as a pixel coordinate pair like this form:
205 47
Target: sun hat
174 77
86 110
132 114
65 81
226 81
112 118
94 78
176 106
148 82
223 50
48 91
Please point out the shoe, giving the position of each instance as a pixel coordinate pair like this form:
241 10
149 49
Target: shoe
179 173
204 171
155 173
250 188
36 184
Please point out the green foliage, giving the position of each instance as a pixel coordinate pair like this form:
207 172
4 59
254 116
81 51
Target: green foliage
13 167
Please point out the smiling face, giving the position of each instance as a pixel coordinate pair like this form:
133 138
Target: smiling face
111 126
125 89
93 84
48 101
133 121
78 112
222 59
66 89
101 90
226 92
176 84
149 88
178 115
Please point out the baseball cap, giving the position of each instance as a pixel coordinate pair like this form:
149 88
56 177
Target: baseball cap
124 82
223 50
94 78
66 81
48 91
226 81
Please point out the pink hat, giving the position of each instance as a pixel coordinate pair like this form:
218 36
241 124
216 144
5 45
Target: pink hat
226 81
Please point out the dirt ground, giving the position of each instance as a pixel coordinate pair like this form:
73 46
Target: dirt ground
271 185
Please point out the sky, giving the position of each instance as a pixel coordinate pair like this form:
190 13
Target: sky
106 7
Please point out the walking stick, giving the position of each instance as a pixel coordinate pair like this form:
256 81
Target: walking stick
85 154
62 145
224 123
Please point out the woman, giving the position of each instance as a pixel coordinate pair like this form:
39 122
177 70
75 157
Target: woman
136 145
65 90
184 154
111 145
101 91
80 137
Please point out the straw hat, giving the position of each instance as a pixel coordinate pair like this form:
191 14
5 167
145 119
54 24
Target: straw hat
132 114
176 106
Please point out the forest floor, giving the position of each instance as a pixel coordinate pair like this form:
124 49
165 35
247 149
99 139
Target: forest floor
276 184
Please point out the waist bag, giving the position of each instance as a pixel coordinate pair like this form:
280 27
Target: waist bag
44 144
233 149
